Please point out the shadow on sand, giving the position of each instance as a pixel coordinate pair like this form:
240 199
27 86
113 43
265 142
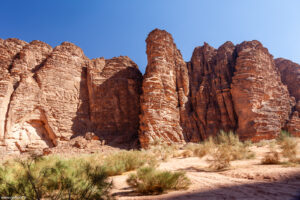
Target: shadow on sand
285 189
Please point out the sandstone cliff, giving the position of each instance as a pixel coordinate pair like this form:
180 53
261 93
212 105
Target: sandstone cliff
114 92
234 88
160 109
290 76
51 96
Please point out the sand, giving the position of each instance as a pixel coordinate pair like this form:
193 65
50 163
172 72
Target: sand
245 179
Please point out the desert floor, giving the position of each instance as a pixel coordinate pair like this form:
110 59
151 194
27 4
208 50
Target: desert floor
245 179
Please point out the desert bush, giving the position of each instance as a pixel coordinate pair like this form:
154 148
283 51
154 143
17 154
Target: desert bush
220 158
162 150
148 180
53 178
271 158
201 149
123 161
237 149
227 138
288 146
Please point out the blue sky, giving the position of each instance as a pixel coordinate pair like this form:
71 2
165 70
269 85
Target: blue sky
119 27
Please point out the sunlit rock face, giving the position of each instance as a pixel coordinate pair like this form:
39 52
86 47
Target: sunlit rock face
261 101
165 89
50 96
234 88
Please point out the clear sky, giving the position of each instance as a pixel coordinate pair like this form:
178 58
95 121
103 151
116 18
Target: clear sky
119 27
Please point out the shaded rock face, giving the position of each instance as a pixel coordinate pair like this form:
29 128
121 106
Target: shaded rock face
114 91
210 102
290 76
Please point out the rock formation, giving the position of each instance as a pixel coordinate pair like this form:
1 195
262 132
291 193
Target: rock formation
51 96
162 92
234 88
114 93
45 96
290 76
262 103
210 102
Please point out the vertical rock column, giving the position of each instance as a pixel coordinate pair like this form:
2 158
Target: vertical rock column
165 78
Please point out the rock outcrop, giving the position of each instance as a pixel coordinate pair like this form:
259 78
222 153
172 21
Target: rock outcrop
49 96
290 76
114 94
210 102
163 95
234 88
261 101
59 97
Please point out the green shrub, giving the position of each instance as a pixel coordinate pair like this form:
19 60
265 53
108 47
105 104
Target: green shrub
148 180
53 178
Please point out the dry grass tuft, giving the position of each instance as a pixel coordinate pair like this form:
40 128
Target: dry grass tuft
162 150
148 180
124 161
288 146
221 158
271 158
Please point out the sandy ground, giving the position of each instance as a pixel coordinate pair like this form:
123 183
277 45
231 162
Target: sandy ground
246 179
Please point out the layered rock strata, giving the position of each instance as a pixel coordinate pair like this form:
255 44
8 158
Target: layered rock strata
262 102
165 88
49 96
234 88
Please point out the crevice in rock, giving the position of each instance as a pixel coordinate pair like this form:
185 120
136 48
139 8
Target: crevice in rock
17 56
15 86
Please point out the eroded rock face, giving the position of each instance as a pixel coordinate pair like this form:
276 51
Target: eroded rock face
290 76
160 107
261 101
9 50
210 102
234 88
62 81
51 96
114 91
